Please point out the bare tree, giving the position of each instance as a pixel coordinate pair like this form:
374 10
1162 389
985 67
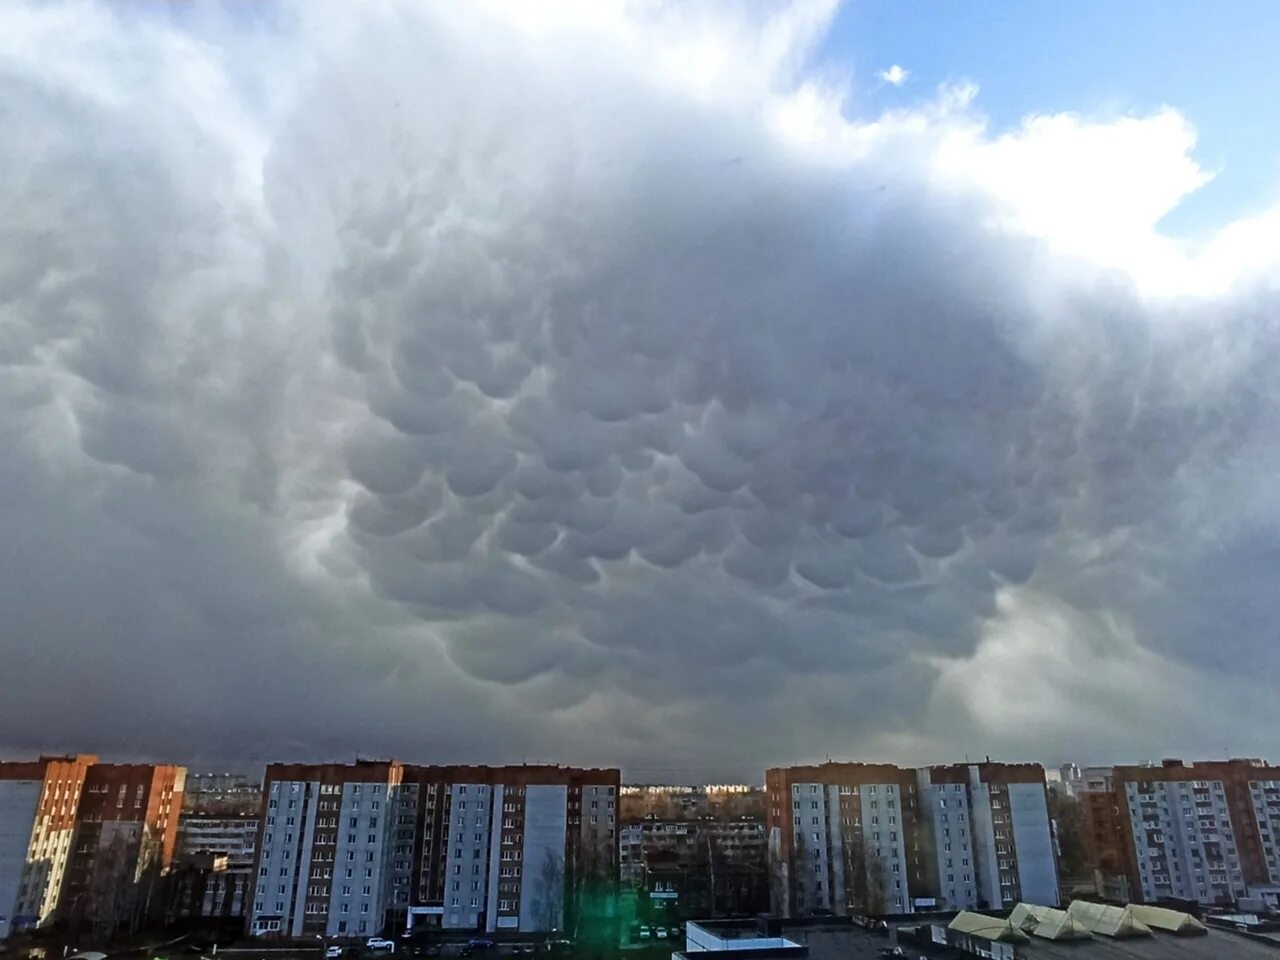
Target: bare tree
548 905
799 871
854 852
108 899
593 878
713 854
877 876
778 879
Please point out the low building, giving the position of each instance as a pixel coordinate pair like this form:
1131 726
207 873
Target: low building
724 801
696 868
225 794
1028 932
206 892
213 874
1084 931
38 804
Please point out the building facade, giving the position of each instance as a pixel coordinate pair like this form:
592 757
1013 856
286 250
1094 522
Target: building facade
229 794
38 804
855 838
126 835
686 869
845 838
1206 832
997 814
357 849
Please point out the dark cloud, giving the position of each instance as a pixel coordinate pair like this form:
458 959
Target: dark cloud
456 398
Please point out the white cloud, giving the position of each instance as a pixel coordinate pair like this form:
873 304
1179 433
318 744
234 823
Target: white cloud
895 76
538 383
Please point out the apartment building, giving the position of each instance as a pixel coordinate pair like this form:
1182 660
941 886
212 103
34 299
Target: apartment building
1205 831
322 863
515 847
742 841
845 838
38 803
877 838
995 816
231 794
232 837
126 833
213 876
351 849
696 868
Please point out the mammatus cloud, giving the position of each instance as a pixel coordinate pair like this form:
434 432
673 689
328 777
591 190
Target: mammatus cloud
895 76
465 381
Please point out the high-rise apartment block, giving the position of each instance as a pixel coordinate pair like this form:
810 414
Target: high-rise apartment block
877 838
1207 831
347 849
125 836
38 804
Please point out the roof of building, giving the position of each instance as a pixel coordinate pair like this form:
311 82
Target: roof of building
836 938
1162 918
1047 923
1090 931
989 928
1106 920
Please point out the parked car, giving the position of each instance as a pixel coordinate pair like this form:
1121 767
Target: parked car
333 953
380 943
645 933
660 932
480 943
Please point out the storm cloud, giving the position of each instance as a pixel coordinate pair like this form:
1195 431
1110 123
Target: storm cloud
458 381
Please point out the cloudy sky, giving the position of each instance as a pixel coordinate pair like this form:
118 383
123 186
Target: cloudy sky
689 387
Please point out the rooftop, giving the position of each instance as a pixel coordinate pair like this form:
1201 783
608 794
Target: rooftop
1063 935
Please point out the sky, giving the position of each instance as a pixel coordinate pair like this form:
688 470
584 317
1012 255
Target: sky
1210 62
688 387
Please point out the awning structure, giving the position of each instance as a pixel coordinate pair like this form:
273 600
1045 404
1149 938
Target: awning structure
989 928
1107 921
1047 923
1172 921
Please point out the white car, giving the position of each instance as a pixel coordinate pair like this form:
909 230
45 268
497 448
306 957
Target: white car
379 943
332 953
